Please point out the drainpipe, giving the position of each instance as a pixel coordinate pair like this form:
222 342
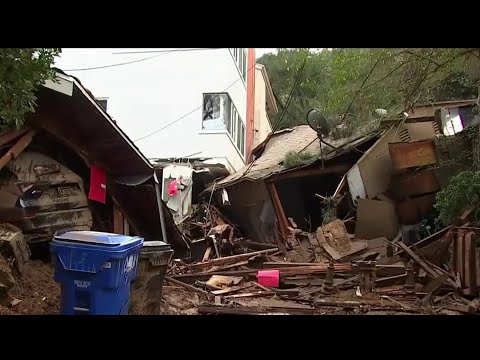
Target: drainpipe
160 208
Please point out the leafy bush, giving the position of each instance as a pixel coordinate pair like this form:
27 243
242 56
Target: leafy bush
22 71
462 192
293 159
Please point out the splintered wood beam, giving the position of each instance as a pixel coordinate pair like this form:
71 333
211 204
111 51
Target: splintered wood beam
229 260
17 149
277 205
333 169
187 286
12 135
117 220
423 264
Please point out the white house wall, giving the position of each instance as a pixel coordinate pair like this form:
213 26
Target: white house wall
146 96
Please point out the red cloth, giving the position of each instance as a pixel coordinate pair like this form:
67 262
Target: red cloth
98 184
172 188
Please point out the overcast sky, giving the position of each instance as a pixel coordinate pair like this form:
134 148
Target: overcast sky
260 51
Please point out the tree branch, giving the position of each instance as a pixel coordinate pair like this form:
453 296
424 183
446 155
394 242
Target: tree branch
422 57
360 89
389 74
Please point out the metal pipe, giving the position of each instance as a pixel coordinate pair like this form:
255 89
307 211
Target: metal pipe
160 209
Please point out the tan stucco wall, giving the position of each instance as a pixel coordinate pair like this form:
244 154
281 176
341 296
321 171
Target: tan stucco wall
261 123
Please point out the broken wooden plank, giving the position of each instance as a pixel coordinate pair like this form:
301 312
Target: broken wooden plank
277 205
280 264
207 254
11 135
390 280
17 148
287 271
434 284
423 264
402 305
460 308
227 290
249 295
298 173
464 218
187 286
259 246
223 310
438 252
470 266
357 304
226 267
341 185
357 246
329 249
228 260
458 250
117 220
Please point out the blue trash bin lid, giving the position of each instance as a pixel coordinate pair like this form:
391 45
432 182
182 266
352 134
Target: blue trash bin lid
96 237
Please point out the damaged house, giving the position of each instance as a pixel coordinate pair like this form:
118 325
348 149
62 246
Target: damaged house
266 193
72 167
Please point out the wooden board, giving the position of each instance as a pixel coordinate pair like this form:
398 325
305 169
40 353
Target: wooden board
470 264
229 260
357 246
423 264
11 135
459 265
277 204
406 155
117 220
206 256
17 149
323 242
428 240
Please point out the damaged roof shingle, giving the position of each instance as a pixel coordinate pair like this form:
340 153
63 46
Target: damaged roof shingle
279 144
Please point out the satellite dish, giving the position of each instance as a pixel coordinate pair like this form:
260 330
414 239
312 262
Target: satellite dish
318 122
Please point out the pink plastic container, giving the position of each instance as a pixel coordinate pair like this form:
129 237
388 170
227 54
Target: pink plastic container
268 278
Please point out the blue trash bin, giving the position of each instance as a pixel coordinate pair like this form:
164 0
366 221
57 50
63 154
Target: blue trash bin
95 270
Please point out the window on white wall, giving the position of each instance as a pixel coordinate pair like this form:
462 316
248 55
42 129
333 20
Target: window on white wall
219 113
215 111
240 57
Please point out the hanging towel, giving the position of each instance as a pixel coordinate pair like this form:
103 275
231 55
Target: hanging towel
98 184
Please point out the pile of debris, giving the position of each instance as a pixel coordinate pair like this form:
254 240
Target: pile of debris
26 287
338 275
369 200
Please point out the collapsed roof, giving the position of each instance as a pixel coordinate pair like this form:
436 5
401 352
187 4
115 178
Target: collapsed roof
280 143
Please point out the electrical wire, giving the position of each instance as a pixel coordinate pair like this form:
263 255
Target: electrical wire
162 52
290 96
287 104
191 112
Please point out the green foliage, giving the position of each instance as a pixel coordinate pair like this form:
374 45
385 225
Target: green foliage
358 81
293 159
22 71
462 192
329 215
